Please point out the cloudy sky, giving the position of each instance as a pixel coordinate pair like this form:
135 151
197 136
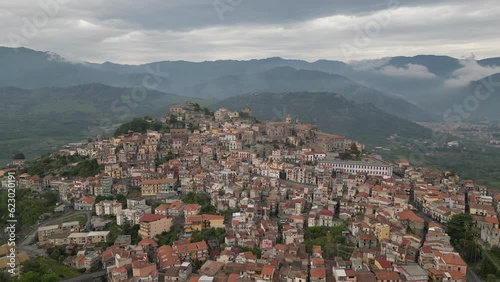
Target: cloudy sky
131 31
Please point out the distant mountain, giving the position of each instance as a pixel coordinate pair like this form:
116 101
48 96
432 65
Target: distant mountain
479 100
442 66
288 79
419 79
26 68
33 121
331 112
490 62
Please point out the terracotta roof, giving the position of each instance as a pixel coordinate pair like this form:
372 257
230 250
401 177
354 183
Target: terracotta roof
387 275
161 207
268 270
191 207
175 205
318 273
326 212
151 217
147 242
410 215
87 199
452 259
383 263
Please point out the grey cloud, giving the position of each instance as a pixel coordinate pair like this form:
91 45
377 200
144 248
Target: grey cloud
143 31
470 71
410 71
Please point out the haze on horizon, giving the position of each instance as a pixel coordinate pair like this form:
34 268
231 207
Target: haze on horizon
133 32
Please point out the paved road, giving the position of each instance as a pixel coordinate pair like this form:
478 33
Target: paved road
472 277
91 277
26 243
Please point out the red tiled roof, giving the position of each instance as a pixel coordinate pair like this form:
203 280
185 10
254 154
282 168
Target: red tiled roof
151 217
326 212
147 242
87 199
410 215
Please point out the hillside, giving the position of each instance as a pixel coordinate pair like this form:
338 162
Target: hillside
287 79
419 79
331 112
480 100
37 120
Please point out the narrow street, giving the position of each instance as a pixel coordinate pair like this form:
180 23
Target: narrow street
471 276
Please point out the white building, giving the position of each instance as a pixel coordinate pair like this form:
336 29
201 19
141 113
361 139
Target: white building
108 208
369 166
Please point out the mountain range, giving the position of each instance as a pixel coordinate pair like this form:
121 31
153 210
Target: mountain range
55 99
34 121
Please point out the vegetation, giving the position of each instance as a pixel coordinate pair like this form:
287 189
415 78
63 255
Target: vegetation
363 122
58 253
55 116
44 269
124 229
141 125
85 168
201 199
209 234
463 235
168 238
30 206
489 267
169 156
477 161
256 252
63 165
330 239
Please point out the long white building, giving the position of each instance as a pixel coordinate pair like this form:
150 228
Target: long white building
369 166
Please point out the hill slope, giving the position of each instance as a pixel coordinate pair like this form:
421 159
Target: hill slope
331 112
479 100
419 79
33 121
287 79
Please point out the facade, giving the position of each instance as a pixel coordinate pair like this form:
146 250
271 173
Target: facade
370 167
154 187
154 224
204 221
192 251
53 232
85 203
108 208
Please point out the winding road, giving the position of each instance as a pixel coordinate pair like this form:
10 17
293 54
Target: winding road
26 243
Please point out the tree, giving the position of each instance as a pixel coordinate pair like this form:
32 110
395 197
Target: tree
491 278
50 277
207 112
173 119
464 236
354 149
31 276
197 107
5 277
455 227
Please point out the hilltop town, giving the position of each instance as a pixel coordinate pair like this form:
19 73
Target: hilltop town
221 196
